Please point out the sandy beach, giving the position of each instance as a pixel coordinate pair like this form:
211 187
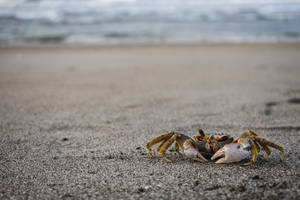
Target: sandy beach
74 121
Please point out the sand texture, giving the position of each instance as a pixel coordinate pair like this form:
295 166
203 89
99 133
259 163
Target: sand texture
74 121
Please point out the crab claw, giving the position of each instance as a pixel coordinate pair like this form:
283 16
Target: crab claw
192 152
231 153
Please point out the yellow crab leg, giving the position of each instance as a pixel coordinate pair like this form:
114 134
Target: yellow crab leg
160 145
266 149
165 146
176 147
265 143
258 149
250 133
271 144
157 140
254 152
180 145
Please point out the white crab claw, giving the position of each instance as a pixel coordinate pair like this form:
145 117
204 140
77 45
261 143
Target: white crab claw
191 152
230 153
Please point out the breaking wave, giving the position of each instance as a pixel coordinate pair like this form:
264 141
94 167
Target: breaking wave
139 21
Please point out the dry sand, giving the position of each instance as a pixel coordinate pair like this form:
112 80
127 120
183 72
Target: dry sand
75 120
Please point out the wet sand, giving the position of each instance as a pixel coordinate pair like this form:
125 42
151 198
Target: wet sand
75 120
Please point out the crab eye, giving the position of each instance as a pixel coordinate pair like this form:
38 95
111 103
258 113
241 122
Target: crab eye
201 132
222 138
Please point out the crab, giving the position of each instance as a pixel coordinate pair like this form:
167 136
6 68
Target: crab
200 147
205 146
244 146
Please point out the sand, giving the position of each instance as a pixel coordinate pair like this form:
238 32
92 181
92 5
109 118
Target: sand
74 121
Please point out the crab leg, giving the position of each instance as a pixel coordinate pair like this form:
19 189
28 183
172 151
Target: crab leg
266 149
165 146
257 146
156 140
271 144
161 144
254 152
176 148
180 144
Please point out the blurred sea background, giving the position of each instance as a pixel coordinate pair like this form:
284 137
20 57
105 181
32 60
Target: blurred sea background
148 21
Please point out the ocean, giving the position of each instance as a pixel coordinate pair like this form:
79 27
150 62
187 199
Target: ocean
148 21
